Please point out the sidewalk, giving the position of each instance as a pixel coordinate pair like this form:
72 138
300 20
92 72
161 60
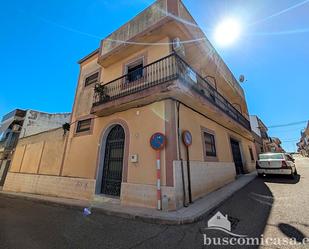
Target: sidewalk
193 213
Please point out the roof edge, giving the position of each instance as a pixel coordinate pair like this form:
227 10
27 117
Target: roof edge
88 56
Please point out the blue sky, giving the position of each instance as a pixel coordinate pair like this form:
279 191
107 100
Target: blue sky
40 48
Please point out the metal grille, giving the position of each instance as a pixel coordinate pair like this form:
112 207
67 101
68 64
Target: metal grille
113 162
92 79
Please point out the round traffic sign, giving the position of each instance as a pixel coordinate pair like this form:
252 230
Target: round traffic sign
158 141
187 138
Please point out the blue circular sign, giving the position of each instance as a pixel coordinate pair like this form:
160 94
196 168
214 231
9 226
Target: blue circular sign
157 141
187 138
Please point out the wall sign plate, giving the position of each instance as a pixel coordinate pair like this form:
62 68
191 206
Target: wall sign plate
158 141
187 138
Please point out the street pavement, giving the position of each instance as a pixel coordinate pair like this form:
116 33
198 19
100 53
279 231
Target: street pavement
271 207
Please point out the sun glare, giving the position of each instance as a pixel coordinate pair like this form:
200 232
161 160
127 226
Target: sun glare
227 32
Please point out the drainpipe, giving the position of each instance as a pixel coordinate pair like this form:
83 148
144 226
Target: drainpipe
180 157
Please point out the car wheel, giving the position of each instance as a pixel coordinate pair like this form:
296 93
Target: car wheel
260 175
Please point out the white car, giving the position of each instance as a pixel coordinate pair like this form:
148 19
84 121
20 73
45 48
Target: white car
276 163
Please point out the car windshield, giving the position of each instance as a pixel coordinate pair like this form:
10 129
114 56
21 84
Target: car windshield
271 156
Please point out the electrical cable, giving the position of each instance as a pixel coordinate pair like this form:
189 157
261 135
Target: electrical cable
286 125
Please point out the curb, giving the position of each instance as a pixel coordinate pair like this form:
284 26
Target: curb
156 219
12 195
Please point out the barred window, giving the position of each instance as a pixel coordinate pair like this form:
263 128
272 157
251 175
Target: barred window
93 78
83 125
210 145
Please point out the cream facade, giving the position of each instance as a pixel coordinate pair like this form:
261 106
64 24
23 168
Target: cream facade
259 130
151 82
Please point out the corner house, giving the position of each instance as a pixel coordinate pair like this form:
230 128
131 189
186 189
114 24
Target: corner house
150 82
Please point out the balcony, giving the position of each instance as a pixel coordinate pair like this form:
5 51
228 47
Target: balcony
169 77
16 113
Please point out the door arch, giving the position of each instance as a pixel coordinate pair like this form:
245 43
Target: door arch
113 162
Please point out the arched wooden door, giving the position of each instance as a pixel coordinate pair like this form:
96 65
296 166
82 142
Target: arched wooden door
113 162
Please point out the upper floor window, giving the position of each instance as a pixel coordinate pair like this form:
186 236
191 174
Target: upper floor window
135 71
93 78
210 145
83 125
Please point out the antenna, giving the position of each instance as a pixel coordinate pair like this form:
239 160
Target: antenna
241 78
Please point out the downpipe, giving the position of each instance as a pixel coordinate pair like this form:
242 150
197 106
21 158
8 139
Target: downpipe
180 157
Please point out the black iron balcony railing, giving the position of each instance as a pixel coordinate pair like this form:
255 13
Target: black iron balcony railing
156 73
164 70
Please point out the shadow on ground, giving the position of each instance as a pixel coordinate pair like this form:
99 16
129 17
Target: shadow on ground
248 211
281 179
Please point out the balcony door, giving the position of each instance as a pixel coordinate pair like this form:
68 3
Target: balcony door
113 162
135 71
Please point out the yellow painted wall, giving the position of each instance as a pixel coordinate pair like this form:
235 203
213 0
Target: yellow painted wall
193 122
52 157
81 162
84 95
82 151
17 158
32 158
40 154
153 53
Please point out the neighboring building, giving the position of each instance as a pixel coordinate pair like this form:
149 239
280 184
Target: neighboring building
303 144
259 131
275 145
126 92
36 122
10 127
21 123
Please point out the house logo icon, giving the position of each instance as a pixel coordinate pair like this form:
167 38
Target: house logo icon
221 223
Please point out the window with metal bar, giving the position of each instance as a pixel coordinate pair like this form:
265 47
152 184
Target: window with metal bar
210 145
83 125
93 78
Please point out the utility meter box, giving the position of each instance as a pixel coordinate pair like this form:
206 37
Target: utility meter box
134 158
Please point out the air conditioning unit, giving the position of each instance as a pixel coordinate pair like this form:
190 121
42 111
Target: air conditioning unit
178 46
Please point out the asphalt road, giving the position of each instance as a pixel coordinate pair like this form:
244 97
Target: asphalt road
274 207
